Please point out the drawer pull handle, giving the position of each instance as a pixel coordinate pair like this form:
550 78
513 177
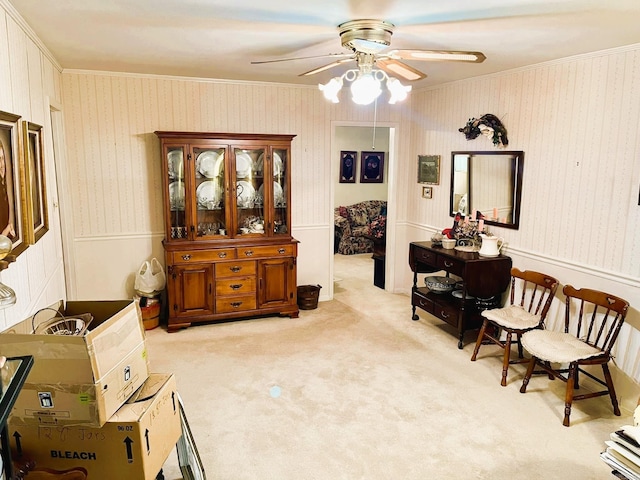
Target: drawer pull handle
448 264
186 257
236 286
235 269
281 251
222 254
236 304
444 314
248 253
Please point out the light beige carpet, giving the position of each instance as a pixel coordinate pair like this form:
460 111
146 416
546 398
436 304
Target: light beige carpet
357 390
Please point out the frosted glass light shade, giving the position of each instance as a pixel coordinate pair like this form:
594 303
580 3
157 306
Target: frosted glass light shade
331 89
397 90
365 89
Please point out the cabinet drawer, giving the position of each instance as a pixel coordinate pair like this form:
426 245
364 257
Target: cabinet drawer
422 302
236 286
235 269
194 256
425 256
266 251
447 312
235 304
450 265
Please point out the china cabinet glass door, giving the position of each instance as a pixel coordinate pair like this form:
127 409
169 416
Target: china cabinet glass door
250 191
280 192
209 185
177 198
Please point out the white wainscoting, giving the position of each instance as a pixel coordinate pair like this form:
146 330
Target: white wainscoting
101 274
313 263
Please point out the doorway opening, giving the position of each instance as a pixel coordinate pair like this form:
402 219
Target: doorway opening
363 141
62 193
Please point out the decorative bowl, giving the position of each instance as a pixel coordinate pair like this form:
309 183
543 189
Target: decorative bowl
449 243
440 284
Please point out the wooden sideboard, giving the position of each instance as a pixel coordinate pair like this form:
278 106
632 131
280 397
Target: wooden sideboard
480 277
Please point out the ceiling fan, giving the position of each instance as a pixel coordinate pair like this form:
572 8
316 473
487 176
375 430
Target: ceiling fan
367 41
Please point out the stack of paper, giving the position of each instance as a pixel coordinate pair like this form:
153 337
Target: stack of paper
623 452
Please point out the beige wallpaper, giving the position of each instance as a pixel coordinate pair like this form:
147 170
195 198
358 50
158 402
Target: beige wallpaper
111 120
577 122
30 80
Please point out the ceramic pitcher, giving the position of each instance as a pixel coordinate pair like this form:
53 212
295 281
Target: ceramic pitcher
491 246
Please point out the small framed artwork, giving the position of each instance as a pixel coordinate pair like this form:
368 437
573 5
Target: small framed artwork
348 166
38 221
371 167
429 169
12 191
427 192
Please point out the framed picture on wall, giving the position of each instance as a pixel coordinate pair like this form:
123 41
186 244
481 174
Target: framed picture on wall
371 167
348 166
427 192
37 217
12 192
429 169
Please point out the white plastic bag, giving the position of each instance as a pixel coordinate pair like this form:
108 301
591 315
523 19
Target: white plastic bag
150 278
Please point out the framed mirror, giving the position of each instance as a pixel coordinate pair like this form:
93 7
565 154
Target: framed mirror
487 182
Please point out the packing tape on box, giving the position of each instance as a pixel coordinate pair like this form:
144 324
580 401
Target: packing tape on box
120 338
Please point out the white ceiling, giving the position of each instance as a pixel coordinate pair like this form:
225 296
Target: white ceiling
219 38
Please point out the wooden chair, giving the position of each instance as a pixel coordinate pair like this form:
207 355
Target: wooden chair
535 292
592 322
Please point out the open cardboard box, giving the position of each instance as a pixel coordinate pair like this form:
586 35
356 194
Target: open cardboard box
79 379
133 444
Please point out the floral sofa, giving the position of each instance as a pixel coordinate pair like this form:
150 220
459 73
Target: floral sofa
354 223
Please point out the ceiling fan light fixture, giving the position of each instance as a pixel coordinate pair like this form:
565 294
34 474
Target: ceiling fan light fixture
368 36
397 90
331 88
365 89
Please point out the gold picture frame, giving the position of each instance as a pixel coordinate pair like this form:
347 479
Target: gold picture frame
36 190
12 186
427 192
429 169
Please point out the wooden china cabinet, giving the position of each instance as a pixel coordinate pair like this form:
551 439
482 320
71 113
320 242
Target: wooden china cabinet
228 247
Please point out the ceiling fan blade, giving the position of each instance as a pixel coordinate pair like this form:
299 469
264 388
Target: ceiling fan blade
395 67
437 55
328 55
327 67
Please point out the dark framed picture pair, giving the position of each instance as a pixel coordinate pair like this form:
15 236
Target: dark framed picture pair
371 167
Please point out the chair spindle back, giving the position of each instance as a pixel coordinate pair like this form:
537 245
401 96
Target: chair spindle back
598 316
537 292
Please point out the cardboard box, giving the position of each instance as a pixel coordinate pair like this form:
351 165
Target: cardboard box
133 444
79 379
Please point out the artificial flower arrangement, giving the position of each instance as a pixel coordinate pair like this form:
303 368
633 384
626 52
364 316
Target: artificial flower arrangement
467 229
378 226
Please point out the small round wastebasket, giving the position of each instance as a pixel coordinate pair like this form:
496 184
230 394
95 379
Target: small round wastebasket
308 296
150 309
